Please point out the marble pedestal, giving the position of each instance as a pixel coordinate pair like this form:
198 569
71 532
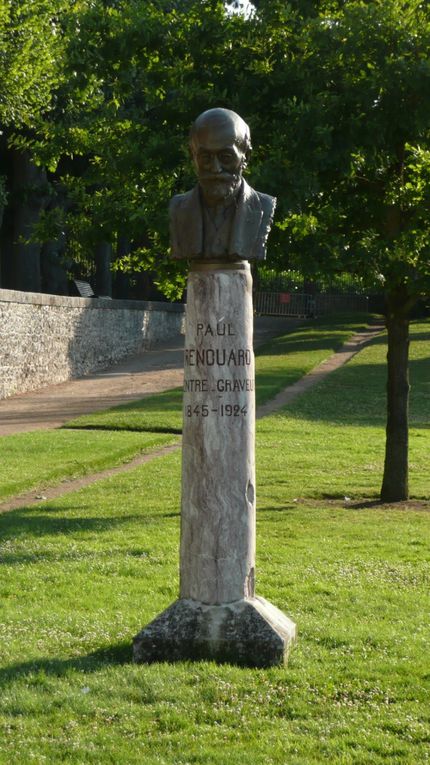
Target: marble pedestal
218 615
249 632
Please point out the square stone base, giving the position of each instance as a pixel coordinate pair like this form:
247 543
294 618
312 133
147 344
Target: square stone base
249 632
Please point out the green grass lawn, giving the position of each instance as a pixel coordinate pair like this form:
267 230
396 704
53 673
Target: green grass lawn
43 458
336 432
39 459
83 574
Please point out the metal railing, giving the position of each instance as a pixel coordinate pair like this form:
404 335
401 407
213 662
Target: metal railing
301 304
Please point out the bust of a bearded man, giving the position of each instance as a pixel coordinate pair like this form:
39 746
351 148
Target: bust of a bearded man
222 218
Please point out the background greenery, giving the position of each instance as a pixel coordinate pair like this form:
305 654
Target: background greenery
101 93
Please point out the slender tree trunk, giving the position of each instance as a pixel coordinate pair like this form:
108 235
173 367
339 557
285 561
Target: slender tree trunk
395 480
121 287
29 189
103 280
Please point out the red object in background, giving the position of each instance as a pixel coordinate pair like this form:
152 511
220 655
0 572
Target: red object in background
284 297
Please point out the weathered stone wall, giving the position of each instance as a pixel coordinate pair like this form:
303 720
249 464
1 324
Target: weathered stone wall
47 339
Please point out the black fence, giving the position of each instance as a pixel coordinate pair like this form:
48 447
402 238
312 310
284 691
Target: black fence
306 305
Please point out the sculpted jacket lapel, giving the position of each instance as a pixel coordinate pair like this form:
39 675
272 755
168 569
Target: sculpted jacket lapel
247 222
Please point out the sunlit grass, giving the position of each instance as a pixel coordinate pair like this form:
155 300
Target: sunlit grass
330 442
82 575
39 459
43 458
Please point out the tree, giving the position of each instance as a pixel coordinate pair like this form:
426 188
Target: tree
135 76
349 147
30 49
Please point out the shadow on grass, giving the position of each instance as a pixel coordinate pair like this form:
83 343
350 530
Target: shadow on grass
402 504
284 345
314 336
355 395
26 522
126 428
92 662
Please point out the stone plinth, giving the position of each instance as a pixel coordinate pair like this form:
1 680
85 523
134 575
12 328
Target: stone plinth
218 616
249 632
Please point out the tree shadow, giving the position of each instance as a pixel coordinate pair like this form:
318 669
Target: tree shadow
27 522
283 345
118 654
356 395
127 428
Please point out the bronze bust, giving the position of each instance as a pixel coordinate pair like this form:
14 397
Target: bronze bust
222 218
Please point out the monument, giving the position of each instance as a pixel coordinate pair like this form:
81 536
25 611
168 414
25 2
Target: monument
219 226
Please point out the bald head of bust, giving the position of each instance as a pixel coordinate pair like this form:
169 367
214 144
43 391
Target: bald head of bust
220 143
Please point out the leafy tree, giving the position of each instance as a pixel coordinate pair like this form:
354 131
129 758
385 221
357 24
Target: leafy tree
135 76
337 96
346 119
30 50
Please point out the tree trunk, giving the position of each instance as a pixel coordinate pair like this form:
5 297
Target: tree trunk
103 278
29 196
121 287
395 480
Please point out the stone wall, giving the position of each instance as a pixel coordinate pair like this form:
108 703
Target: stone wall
47 339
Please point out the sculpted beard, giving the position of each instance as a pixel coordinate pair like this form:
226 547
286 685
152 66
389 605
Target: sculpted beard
220 186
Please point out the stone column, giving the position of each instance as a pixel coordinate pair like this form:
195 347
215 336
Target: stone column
218 470
218 615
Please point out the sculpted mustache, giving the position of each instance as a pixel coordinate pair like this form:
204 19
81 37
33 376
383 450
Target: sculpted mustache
219 177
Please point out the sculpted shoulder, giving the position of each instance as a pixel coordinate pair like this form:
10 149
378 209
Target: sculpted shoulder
256 199
267 202
175 203
181 200
186 232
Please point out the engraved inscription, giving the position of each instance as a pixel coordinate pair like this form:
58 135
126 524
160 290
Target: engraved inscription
233 386
220 330
201 358
209 357
224 410
196 385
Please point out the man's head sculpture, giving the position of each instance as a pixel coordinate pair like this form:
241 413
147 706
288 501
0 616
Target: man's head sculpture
222 218
220 145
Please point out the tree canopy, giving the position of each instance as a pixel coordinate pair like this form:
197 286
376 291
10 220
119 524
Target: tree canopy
100 94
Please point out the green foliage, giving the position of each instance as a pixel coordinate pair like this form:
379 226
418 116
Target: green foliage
134 76
30 54
352 138
336 94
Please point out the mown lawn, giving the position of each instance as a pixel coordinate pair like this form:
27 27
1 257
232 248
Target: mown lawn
43 458
336 432
83 574
87 444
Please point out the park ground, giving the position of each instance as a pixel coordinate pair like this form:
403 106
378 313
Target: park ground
83 573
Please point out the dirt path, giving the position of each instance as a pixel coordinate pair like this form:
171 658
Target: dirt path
336 360
151 372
